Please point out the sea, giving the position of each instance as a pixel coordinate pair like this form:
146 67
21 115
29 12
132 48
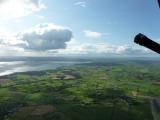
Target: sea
9 65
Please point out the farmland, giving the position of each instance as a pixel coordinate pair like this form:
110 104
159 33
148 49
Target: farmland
92 91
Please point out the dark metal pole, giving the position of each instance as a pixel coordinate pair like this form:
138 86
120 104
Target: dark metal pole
159 3
146 42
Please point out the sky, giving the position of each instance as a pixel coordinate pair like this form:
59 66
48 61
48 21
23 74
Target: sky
77 27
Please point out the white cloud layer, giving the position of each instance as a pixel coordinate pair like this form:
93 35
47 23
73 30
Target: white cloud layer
19 8
81 3
50 39
92 34
76 48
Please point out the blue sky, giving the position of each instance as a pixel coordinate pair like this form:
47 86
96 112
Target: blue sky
94 24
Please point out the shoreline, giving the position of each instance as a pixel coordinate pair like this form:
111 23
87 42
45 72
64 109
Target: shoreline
30 72
38 71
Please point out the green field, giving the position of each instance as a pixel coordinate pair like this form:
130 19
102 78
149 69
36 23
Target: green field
93 91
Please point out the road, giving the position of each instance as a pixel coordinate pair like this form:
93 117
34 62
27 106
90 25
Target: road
155 106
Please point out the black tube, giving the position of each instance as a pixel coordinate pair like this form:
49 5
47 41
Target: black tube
146 42
159 3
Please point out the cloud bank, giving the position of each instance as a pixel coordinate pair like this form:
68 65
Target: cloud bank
49 39
102 49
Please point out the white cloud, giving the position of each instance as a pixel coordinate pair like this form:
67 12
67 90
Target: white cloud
131 50
81 3
40 16
19 8
45 37
40 38
92 34
76 48
50 39
7 50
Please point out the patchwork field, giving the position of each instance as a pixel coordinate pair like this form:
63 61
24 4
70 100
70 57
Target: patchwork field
93 91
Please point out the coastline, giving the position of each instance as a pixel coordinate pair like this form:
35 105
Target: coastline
37 69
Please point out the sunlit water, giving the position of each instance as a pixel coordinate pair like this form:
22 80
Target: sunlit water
7 68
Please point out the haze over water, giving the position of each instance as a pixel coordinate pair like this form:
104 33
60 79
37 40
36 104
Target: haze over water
10 67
